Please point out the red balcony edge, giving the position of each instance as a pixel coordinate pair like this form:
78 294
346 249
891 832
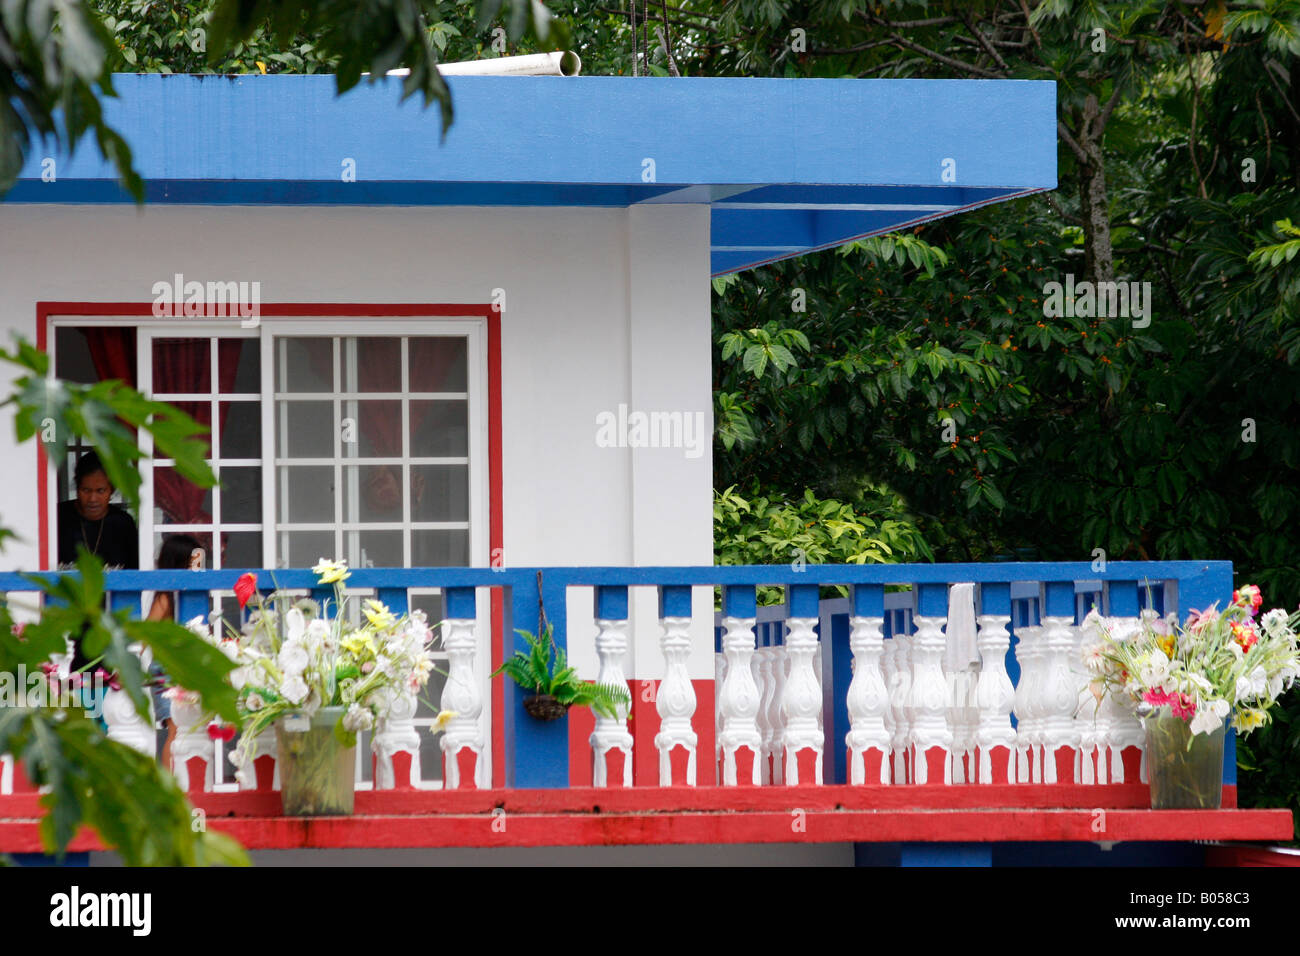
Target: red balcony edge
589 817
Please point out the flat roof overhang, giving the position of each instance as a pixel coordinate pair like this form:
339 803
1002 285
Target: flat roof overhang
787 166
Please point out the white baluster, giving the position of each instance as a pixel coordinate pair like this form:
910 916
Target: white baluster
994 697
1028 740
395 733
740 700
1091 722
868 700
263 745
461 694
611 733
719 676
780 663
801 700
899 651
1060 693
928 699
676 700
760 666
191 741
1125 729
6 774
125 725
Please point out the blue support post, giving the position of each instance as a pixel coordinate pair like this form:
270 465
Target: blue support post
1060 599
537 752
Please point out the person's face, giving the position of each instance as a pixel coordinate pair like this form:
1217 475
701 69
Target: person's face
93 493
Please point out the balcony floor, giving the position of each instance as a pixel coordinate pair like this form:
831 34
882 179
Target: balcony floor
711 815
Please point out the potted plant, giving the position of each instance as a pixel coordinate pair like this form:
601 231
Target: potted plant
555 685
1186 680
318 681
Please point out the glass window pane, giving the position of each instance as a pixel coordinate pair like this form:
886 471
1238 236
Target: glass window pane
241 430
440 492
430 745
377 429
239 362
305 365
309 431
309 493
242 549
178 500
438 364
241 495
431 605
374 549
201 412
439 429
439 549
182 365
305 548
379 365
372 493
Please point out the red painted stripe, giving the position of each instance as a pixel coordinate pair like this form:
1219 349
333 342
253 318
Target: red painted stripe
42 469
795 825
496 538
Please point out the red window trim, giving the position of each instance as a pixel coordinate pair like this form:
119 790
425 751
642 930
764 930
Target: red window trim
46 310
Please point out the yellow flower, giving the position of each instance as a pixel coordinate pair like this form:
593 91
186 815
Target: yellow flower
1248 719
441 721
378 615
331 572
1166 644
358 642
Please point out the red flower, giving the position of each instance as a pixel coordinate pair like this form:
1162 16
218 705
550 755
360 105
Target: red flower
220 732
245 588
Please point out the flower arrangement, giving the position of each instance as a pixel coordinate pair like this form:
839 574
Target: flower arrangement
1219 664
294 659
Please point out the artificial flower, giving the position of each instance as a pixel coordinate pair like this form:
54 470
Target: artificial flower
293 657
358 718
245 588
1248 719
220 731
1209 717
294 689
1182 706
331 572
1248 596
378 615
440 722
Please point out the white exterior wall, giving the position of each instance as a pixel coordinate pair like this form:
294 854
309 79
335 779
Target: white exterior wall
602 307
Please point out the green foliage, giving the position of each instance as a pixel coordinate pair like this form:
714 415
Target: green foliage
132 803
544 669
872 529
1270 761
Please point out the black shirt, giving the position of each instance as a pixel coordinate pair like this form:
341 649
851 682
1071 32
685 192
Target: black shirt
114 537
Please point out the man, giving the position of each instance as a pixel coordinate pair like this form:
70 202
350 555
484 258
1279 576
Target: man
91 522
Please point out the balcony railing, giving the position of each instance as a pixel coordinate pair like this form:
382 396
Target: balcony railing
876 688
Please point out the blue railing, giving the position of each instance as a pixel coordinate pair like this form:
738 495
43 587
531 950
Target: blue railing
537 754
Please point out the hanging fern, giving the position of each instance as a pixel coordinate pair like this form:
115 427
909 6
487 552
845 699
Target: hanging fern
541 672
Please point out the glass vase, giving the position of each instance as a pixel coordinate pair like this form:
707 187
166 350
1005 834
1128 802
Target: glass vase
317 773
1185 769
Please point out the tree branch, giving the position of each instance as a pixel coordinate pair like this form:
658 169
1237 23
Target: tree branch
983 41
1070 141
946 60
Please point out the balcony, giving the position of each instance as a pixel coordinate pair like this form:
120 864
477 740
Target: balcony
883 704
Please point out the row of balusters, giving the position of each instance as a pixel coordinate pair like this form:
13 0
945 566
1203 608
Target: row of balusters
903 706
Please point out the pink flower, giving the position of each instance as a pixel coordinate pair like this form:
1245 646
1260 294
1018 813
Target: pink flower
1183 706
1248 596
1197 621
1157 697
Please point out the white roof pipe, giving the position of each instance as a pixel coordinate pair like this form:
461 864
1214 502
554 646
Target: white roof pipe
559 63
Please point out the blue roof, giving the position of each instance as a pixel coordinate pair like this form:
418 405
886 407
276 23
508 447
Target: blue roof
788 166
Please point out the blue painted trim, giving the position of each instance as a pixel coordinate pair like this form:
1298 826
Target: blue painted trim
395 600
802 600
946 854
675 601
611 603
739 601
587 142
192 604
932 600
1123 599
1060 599
868 600
459 603
995 598
840 666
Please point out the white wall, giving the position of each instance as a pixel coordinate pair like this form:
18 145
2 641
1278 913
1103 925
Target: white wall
602 307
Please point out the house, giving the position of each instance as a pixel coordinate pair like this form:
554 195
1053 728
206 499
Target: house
489 351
